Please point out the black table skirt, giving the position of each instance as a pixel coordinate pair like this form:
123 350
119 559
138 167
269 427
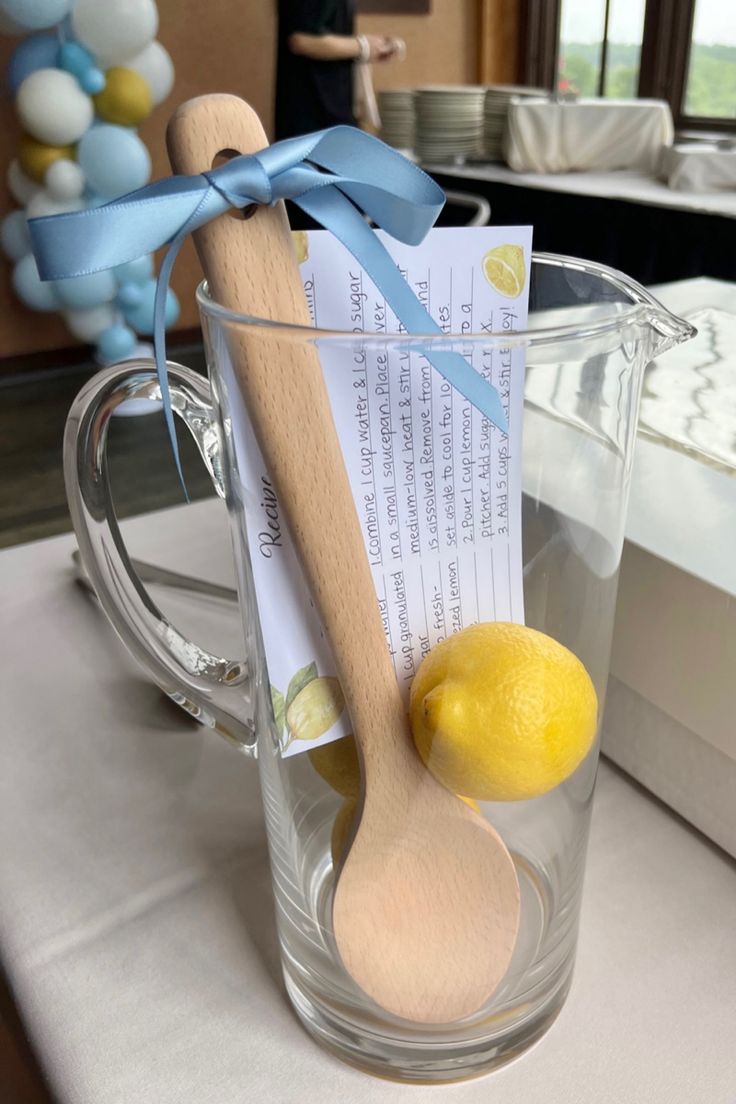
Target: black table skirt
651 244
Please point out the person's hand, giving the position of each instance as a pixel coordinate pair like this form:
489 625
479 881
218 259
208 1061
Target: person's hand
381 47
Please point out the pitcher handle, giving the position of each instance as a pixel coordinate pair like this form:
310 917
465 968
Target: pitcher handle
214 690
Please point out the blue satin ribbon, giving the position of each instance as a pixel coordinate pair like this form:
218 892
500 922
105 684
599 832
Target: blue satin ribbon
332 175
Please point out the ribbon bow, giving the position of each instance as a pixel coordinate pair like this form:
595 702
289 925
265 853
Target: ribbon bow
332 175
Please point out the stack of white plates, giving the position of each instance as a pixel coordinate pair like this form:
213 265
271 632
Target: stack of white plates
495 111
449 121
396 108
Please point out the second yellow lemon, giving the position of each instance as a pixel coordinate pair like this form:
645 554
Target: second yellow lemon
341 827
501 712
337 763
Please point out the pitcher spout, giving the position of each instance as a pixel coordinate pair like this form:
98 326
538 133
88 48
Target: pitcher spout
668 329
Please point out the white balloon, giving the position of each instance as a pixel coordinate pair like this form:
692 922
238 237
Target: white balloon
156 67
21 187
115 30
87 323
64 180
43 204
53 108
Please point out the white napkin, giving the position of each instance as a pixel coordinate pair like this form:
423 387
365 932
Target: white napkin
699 167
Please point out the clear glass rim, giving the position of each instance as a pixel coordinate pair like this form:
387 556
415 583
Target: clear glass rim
643 309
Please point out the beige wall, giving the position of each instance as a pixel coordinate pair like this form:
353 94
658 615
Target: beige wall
232 49
442 47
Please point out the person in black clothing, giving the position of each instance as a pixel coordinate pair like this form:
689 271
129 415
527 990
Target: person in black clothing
316 53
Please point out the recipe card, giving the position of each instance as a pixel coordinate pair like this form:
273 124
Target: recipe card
437 487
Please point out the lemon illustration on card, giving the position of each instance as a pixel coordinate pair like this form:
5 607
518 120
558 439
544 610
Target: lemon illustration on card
301 245
312 705
505 270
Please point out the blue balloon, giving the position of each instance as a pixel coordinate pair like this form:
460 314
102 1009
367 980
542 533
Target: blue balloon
86 291
14 236
92 200
77 60
36 15
116 343
140 317
38 51
29 287
114 160
129 296
92 81
135 272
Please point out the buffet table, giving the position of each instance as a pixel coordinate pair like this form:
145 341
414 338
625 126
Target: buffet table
626 219
630 186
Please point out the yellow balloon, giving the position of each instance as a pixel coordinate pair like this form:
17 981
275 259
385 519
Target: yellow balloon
126 98
35 157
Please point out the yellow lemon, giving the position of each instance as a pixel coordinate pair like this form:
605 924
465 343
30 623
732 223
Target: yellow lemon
473 804
505 270
501 712
341 827
337 763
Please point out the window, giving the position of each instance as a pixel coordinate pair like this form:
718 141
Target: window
600 47
683 51
710 84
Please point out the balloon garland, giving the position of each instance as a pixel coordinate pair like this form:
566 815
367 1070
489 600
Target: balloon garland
83 77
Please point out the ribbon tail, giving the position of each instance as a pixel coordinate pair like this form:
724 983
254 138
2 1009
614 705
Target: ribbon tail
338 215
159 322
159 347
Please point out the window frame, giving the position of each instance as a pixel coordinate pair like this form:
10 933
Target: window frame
665 56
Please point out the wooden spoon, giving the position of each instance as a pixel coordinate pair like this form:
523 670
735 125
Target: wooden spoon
426 905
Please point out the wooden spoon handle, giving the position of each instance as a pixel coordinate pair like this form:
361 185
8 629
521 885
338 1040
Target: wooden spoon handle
251 267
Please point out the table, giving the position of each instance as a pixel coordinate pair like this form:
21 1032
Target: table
624 219
630 186
135 910
548 136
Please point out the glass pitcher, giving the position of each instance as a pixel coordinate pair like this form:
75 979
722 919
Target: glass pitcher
591 333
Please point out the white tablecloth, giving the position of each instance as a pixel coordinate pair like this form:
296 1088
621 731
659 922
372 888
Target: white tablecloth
626 185
136 919
589 135
699 167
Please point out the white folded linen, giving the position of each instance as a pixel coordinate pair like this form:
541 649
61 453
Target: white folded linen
699 167
548 137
